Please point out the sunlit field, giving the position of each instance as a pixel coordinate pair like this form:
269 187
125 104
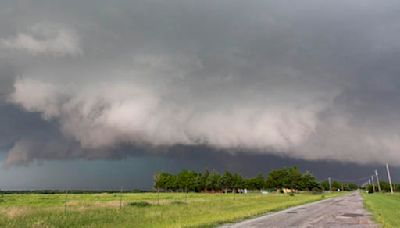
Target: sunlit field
384 207
141 209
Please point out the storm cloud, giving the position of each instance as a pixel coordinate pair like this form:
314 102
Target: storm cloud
311 79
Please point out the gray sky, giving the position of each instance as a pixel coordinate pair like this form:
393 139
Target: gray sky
309 81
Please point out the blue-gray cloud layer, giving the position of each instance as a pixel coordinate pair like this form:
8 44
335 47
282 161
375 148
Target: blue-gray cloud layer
309 79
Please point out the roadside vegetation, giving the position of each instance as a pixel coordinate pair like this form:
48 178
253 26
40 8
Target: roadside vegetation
385 208
281 180
141 209
385 187
185 199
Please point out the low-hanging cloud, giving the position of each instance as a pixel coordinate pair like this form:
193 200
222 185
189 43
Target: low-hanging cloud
257 77
104 115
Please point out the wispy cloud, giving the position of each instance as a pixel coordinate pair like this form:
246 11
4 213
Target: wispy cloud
43 39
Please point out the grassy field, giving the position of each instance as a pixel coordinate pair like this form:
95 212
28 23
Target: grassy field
384 207
140 209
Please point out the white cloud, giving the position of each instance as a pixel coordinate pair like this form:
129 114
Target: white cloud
100 116
44 39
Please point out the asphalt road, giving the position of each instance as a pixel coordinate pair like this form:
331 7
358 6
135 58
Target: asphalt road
344 211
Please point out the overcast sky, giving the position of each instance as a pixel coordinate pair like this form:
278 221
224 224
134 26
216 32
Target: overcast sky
95 83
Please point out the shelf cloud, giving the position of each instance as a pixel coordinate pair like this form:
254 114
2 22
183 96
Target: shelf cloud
311 80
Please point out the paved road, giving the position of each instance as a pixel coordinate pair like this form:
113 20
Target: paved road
345 211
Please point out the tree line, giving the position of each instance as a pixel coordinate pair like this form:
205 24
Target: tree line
385 187
211 181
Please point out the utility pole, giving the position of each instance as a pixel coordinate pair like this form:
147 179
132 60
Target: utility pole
373 184
377 180
389 178
330 184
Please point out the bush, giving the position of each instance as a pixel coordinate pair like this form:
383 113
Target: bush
139 204
317 190
178 202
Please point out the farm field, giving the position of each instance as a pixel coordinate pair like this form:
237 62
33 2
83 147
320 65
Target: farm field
384 207
141 209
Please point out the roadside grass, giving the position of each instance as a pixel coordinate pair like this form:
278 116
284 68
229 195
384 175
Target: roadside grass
384 207
141 209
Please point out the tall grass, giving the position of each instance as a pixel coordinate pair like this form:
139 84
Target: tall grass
384 207
140 209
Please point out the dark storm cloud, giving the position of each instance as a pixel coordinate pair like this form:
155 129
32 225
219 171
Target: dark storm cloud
309 79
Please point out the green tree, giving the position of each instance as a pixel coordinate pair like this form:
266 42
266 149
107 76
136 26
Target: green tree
284 178
385 186
227 181
172 182
237 182
187 180
308 182
351 187
213 181
161 180
294 178
256 183
336 185
203 181
276 179
325 185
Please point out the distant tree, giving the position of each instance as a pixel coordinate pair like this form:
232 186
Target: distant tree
277 179
213 182
370 188
203 181
336 185
352 187
227 181
385 186
162 180
172 182
294 178
308 182
289 178
237 182
325 185
284 178
187 180
256 183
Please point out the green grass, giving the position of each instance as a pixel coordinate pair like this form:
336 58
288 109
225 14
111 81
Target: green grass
140 209
384 207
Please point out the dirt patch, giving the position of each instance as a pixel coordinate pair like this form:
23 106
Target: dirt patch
14 212
112 204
